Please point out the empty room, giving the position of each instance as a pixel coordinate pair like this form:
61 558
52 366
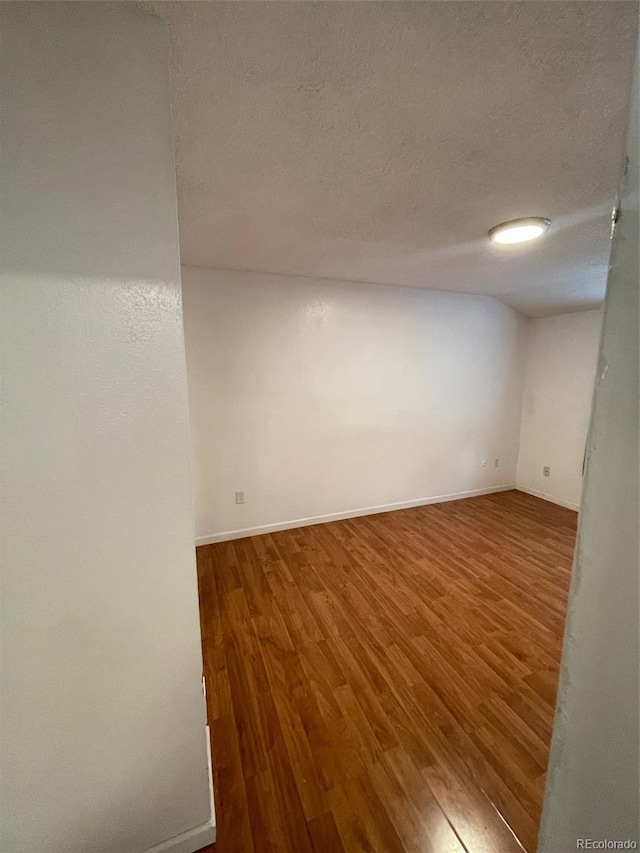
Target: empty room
320 427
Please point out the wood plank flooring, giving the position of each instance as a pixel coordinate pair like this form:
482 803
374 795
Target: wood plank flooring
387 683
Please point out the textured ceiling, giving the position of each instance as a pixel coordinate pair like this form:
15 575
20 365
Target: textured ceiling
379 142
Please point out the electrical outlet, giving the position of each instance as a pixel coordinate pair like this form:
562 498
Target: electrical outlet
546 471
496 463
484 463
240 496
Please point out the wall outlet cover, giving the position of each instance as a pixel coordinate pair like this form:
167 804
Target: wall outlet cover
546 471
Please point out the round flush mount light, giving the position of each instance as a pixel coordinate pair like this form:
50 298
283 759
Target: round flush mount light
519 230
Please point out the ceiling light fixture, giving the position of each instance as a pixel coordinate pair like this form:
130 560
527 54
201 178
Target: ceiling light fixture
519 230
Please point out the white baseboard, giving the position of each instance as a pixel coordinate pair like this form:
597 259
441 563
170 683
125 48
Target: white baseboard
227 535
188 842
545 497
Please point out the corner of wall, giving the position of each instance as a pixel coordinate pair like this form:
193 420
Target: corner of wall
526 326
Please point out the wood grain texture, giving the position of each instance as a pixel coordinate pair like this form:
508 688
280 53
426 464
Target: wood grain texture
387 683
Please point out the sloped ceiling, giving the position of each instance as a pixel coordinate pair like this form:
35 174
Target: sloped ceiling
379 141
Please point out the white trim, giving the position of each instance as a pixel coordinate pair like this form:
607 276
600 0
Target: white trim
210 768
227 535
188 842
546 497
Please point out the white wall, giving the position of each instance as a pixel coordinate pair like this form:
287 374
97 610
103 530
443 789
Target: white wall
103 730
562 352
593 784
320 397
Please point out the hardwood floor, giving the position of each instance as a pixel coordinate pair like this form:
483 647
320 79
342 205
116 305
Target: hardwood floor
387 683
